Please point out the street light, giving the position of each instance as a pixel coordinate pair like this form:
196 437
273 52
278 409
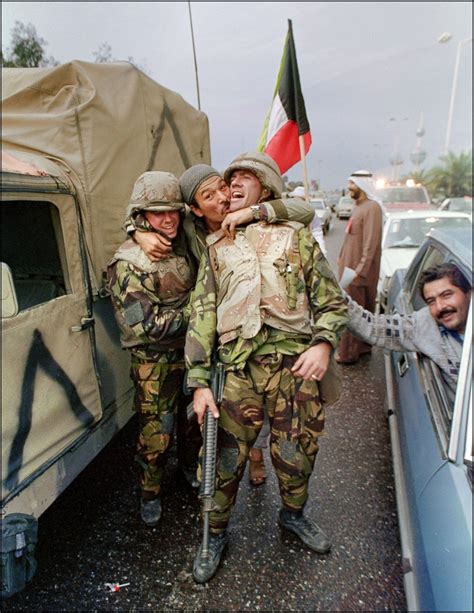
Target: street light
444 38
396 160
317 173
418 155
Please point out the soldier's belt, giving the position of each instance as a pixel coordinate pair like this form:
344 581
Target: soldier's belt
151 349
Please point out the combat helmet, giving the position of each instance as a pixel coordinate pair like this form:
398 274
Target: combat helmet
263 167
157 191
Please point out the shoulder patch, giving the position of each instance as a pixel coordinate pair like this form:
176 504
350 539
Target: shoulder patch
133 314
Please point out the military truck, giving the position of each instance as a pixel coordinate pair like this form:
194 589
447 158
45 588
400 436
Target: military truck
74 139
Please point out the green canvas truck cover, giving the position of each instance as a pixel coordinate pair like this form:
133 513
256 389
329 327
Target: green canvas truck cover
104 124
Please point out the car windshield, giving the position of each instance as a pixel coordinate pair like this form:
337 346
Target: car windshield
402 194
411 232
461 205
345 201
317 204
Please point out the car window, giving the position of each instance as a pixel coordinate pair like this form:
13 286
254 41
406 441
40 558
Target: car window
433 256
33 247
410 233
462 205
440 400
403 194
469 451
439 396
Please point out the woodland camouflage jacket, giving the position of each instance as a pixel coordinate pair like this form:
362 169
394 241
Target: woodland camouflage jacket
149 298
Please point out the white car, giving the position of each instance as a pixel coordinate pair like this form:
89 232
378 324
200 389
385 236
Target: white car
323 211
457 205
403 233
344 207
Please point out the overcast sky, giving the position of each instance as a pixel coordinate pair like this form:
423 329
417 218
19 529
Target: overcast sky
360 63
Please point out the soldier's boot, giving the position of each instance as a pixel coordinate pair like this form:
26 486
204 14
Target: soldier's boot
189 473
205 568
150 511
308 531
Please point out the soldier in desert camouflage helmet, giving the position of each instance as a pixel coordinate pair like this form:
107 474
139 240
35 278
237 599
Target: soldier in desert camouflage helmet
149 301
272 301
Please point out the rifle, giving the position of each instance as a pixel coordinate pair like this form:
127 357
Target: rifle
208 479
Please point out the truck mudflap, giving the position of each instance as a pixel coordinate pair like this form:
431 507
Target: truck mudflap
19 538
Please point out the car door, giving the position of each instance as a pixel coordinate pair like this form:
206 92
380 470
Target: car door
50 392
412 387
435 503
445 503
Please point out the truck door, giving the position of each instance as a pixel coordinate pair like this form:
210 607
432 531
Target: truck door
50 392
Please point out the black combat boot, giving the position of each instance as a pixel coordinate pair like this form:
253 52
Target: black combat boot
150 511
308 531
205 568
189 473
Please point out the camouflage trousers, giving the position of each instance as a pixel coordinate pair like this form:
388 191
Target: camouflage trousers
161 403
296 418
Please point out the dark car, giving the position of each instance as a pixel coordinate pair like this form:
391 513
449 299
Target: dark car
432 447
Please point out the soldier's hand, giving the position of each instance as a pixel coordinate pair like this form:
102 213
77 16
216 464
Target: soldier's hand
156 246
202 400
234 219
313 363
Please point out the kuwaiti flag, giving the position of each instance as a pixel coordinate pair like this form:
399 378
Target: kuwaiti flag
286 120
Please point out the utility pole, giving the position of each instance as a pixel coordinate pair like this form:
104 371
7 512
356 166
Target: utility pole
194 53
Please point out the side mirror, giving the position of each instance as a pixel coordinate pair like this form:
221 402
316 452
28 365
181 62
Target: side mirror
9 300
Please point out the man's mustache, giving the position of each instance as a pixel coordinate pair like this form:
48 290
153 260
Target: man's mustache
446 312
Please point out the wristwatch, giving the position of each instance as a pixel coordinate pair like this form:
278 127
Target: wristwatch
255 208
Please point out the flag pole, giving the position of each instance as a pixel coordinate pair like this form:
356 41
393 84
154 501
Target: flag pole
286 120
305 170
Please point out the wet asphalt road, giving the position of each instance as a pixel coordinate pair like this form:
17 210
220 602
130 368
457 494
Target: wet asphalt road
93 533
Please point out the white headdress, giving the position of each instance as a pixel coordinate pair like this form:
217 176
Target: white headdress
364 181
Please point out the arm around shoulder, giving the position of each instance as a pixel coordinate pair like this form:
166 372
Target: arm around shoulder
201 332
288 209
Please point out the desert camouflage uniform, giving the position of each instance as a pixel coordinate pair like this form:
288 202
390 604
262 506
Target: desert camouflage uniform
258 370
